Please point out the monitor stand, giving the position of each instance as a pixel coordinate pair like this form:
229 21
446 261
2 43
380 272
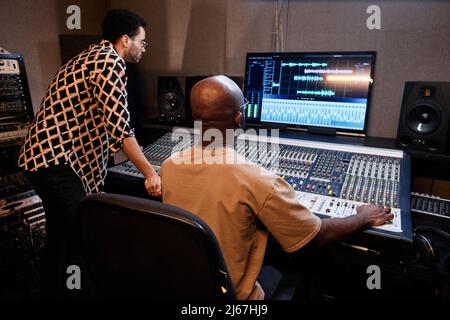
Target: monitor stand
279 126
322 130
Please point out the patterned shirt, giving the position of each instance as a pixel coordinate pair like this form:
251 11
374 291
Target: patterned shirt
82 118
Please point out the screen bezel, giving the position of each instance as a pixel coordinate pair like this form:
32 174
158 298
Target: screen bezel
293 127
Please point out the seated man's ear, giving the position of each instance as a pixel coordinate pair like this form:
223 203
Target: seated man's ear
239 120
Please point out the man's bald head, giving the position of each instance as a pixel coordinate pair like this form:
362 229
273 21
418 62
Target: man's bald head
216 100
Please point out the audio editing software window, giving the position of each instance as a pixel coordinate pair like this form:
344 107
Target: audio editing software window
330 90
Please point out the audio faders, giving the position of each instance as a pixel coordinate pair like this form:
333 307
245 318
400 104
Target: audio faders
329 179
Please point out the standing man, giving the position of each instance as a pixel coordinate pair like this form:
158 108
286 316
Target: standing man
82 120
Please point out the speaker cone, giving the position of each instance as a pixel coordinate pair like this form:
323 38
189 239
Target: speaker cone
423 118
170 102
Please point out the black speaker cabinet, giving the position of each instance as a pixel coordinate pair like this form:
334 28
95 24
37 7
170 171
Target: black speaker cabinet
174 95
171 101
432 241
424 117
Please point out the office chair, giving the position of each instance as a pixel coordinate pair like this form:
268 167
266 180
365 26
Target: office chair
139 248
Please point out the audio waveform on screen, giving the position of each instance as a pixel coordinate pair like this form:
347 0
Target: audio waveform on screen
307 78
304 64
328 71
323 93
326 114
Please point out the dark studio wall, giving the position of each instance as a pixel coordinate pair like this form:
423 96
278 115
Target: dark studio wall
213 36
32 28
192 37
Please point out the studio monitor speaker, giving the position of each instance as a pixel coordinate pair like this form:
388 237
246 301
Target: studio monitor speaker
174 98
171 100
424 117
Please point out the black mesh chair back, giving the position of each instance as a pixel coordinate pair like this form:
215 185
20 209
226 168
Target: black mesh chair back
139 248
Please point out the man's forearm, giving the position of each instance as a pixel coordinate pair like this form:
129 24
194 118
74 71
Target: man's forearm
134 153
335 229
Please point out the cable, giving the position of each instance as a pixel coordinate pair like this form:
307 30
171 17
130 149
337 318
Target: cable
287 24
431 186
277 33
280 26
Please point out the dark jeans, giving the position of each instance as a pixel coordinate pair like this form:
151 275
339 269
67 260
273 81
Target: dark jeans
60 190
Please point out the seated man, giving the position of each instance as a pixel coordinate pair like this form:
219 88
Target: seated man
230 195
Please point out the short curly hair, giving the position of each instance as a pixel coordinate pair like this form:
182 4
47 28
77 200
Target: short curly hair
119 22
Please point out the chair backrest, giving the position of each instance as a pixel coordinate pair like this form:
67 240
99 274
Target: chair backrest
139 248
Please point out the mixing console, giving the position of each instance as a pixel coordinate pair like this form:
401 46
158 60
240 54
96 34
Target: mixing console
157 152
329 179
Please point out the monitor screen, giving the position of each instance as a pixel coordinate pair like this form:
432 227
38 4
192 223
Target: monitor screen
302 90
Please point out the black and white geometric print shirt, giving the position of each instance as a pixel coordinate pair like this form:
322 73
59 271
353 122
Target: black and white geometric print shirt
82 118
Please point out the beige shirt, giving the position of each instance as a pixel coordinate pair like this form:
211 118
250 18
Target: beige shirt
229 197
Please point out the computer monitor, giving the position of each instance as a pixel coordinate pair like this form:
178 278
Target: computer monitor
309 90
